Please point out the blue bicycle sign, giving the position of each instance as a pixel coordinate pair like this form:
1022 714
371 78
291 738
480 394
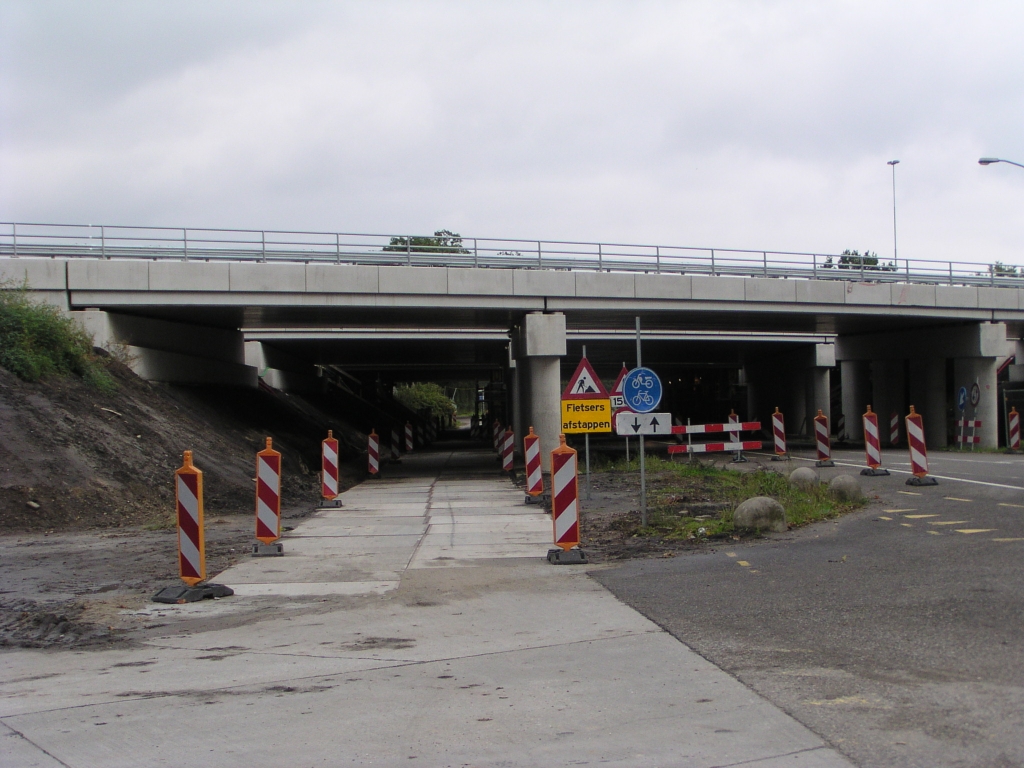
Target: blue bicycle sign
641 390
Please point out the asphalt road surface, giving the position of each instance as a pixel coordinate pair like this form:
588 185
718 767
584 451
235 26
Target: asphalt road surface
895 633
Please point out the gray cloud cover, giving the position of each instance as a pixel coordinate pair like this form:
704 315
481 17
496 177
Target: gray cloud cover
731 123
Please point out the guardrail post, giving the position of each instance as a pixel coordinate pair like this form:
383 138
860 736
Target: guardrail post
476 255
14 235
657 259
814 266
263 246
184 240
712 261
408 251
103 242
765 254
337 247
540 260
951 273
600 258
908 269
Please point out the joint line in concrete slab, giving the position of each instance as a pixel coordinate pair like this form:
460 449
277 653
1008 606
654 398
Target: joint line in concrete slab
27 740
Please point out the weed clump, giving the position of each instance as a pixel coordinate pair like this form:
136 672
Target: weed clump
39 341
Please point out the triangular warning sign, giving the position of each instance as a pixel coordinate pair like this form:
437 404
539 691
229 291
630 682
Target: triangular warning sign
618 401
584 384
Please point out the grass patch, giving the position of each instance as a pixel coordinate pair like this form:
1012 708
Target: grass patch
38 341
679 492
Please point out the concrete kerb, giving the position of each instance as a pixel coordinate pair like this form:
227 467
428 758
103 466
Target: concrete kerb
500 646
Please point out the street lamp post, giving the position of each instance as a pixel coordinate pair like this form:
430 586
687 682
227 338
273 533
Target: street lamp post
893 164
990 160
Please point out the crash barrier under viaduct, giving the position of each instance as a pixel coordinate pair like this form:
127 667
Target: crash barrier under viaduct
895 337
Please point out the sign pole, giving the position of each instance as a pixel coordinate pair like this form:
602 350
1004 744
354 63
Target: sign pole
586 444
643 464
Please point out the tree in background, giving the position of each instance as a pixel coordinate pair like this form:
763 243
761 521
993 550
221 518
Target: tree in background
855 260
422 395
443 241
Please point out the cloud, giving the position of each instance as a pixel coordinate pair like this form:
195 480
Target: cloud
727 124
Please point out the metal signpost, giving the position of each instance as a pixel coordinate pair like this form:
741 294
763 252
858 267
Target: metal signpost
641 390
586 406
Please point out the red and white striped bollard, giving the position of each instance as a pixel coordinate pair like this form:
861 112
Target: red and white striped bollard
268 502
329 467
872 446
507 449
918 450
188 500
779 434
822 441
373 453
1014 425
565 506
534 475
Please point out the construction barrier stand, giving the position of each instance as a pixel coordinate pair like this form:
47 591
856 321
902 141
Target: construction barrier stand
872 445
918 450
565 496
188 498
779 434
822 441
534 476
507 449
373 452
329 467
268 494
1014 437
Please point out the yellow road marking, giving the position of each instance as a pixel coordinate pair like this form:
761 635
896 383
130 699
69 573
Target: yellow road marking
935 533
1015 506
948 522
1018 539
974 530
917 517
730 554
906 525
954 498
883 517
909 493
895 511
744 563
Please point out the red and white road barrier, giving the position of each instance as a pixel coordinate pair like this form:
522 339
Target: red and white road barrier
745 445
894 428
329 467
972 424
396 452
268 494
918 450
507 448
408 437
373 452
872 445
779 433
822 441
497 435
188 499
730 428
1014 437
534 476
565 496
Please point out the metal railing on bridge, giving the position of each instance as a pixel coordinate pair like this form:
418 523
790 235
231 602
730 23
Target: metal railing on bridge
444 249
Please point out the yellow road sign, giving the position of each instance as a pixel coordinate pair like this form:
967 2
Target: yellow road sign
586 415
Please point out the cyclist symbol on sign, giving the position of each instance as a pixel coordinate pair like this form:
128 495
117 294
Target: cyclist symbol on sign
642 390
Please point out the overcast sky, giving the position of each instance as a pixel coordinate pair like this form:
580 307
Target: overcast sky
720 123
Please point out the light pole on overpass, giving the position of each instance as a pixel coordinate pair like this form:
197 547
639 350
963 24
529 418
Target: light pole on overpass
990 160
893 163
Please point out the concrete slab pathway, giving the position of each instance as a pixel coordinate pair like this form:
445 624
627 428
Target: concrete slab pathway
419 624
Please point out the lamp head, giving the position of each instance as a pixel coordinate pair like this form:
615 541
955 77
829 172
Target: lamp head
988 160
892 162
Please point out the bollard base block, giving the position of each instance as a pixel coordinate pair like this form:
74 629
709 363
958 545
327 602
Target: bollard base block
330 504
739 458
543 499
825 463
180 594
926 480
781 457
574 556
875 472
259 549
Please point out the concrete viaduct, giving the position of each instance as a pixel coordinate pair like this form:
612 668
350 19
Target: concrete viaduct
788 339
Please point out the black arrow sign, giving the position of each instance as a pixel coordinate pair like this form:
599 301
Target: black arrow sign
654 423
636 424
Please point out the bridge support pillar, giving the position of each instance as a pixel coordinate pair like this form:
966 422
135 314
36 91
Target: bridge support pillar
541 349
888 394
856 393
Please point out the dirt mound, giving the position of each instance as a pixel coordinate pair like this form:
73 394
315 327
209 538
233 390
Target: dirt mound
75 457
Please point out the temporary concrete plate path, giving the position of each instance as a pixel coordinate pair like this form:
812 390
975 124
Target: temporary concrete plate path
419 624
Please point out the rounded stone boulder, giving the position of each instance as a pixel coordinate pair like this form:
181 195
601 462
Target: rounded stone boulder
804 478
845 488
760 513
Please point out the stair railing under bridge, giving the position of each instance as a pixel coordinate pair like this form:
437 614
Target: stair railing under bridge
157 243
